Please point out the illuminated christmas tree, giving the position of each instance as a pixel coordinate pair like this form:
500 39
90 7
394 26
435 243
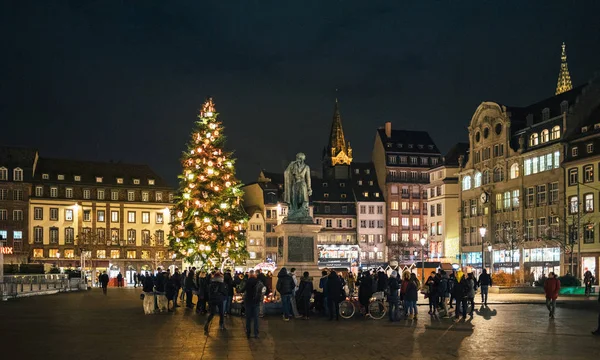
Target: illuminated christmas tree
209 222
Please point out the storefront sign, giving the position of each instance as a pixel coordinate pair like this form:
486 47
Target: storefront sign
334 263
6 250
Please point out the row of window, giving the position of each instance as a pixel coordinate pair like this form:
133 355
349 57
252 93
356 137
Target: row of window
100 194
371 208
87 236
99 254
395 237
402 175
17 235
371 238
99 179
408 190
17 174
371 255
337 238
17 194
436 228
372 224
395 221
531 166
17 215
340 223
38 214
485 154
588 175
395 159
410 146
589 148
544 136
588 203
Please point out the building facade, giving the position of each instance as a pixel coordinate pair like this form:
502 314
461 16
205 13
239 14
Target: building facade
370 216
114 217
582 166
402 159
17 166
512 185
443 193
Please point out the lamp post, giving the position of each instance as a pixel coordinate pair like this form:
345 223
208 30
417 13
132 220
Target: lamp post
482 231
491 258
423 241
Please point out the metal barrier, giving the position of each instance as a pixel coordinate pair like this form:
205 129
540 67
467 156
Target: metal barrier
28 285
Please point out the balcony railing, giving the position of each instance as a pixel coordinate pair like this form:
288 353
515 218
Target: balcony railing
416 211
405 212
416 195
405 179
405 195
405 227
416 227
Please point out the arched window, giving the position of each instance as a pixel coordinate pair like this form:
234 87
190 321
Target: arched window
533 139
555 133
514 171
466 183
498 174
477 180
18 174
486 177
545 136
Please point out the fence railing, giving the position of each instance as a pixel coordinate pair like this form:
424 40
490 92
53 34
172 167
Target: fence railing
26 285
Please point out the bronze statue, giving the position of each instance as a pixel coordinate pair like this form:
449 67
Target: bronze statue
297 189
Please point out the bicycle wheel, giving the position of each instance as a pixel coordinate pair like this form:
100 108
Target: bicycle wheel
347 309
377 309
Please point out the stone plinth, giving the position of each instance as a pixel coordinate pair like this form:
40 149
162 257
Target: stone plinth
297 247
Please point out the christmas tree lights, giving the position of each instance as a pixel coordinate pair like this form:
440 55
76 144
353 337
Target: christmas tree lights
209 221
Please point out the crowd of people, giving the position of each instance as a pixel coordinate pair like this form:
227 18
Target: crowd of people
213 293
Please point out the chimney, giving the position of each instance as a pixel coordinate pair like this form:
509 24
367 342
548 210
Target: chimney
388 129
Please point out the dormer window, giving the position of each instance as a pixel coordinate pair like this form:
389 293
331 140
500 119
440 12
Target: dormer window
342 184
371 183
376 194
389 145
399 145
367 171
136 181
596 126
357 171
325 195
61 177
98 179
119 180
534 139
420 146
150 181
77 178
410 146
564 107
359 182
545 114
584 129
574 151
45 176
324 184
3 173
366 194
343 196
18 174
430 147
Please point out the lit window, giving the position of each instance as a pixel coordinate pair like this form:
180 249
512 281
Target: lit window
68 215
115 254
514 171
477 179
136 181
3 173
131 216
145 196
77 178
61 177
533 139
545 136
130 195
131 254
150 181
555 133
18 174
119 180
101 254
38 253
98 179
466 183
574 151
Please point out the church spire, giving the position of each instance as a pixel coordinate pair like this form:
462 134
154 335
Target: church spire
340 152
564 78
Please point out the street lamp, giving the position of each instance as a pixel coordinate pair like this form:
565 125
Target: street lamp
491 258
482 231
423 241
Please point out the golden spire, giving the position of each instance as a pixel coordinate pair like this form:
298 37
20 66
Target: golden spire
340 151
564 78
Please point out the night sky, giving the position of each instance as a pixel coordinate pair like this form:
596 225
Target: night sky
123 80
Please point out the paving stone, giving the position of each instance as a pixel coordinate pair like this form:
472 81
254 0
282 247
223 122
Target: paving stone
89 325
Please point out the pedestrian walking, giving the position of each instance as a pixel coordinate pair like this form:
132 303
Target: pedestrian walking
160 283
217 294
484 282
472 284
285 286
411 296
551 288
104 281
253 290
120 280
148 289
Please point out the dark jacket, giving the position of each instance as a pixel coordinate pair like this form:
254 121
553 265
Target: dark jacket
148 284
381 281
365 289
443 287
217 292
189 282
305 289
160 282
228 280
393 287
104 280
249 290
334 286
411 292
176 279
285 283
171 288
485 279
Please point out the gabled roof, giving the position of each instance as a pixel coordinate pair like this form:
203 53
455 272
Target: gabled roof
89 170
452 156
12 157
408 141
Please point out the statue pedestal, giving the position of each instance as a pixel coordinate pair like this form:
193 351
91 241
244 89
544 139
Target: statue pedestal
297 243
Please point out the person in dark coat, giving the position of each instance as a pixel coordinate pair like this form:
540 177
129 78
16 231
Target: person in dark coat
305 290
393 287
365 289
177 283
382 281
189 287
170 289
216 297
228 280
285 286
120 280
411 296
334 291
262 278
252 299
104 282
148 284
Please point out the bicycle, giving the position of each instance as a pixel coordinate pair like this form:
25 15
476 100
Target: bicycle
376 308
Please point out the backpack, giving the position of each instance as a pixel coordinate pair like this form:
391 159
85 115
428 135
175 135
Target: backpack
258 291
